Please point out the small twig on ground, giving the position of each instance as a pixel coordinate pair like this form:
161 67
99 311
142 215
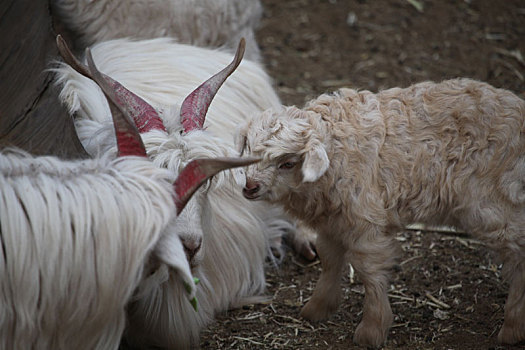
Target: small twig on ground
248 340
410 259
514 54
513 70
438 229
406 324
455 286
437 301
305 265
418 5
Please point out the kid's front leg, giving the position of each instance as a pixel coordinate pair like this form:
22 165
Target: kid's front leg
327 294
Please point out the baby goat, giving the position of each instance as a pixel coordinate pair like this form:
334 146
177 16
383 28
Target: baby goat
359 166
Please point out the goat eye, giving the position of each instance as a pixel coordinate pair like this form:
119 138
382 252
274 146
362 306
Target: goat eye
287 165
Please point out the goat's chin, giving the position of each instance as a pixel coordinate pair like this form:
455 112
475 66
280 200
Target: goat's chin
253 197
195 270
195 263
256 197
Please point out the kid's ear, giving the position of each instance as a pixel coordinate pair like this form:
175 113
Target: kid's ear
315 163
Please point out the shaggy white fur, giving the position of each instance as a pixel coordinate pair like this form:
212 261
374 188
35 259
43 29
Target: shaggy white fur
236 233
75 237
358 166
205 23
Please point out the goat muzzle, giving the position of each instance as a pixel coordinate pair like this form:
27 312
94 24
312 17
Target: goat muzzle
251 190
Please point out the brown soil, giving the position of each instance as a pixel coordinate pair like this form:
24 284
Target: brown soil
314 46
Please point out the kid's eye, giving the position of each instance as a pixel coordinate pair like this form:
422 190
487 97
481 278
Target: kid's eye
287 165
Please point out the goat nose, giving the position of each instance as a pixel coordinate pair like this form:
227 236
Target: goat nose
251 187
250 184
191 247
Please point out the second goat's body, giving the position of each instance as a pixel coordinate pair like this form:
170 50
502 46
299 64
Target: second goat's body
367 164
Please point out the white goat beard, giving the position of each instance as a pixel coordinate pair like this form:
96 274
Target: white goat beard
75 236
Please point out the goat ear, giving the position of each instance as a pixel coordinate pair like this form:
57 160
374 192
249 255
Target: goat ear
315 163
170 251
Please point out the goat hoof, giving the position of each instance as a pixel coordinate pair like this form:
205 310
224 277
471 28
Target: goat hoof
306 250
316 311
511 335
369 335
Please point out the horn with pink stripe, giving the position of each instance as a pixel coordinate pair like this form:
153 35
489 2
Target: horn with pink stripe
129 142
194 108
144 116
198 171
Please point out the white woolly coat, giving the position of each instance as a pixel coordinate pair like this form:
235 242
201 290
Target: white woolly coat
75 237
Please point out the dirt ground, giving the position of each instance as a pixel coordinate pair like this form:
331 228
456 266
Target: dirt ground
446 291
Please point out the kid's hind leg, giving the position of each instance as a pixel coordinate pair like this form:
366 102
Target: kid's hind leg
303 241
513 330
505 232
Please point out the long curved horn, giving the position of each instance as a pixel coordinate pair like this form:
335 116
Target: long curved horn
145 117
194 108
129 141
198 171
